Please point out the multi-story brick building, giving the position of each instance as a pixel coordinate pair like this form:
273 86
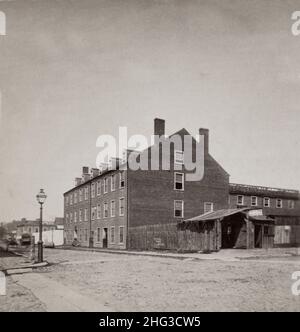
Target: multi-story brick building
124 208
96 209
106 209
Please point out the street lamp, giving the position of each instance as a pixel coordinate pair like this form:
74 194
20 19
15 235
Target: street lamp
41 197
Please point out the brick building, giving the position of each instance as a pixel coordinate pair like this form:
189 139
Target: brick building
123 208
283 205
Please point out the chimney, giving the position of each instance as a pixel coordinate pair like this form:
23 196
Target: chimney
85 174
115 163
85 170
205 132
77 181
159 127
95 172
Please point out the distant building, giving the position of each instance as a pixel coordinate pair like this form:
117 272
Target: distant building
281 204
25 226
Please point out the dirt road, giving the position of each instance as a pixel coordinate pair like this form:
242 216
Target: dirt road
137 283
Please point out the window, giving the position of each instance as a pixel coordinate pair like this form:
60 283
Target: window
113 183
105 185
291 204
71 199
80 195
93 190
85 234
99 188
93 212
67 218
266 202
112 208
86 193
75 216
240 200
29 230
179 181
208 207
105 210
98 234
36 230
121 206
179 157
279 203
71 216
80 215
253 201
178 209
67 200
121 234
98 211
122 179
112 234
75 197
85 214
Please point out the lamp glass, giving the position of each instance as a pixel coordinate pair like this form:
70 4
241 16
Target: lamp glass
41 196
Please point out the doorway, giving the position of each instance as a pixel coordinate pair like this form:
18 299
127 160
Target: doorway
257 236
104 239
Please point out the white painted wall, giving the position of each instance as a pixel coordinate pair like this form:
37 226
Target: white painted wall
56 236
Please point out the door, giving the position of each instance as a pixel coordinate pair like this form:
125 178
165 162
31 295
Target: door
257 236
104 240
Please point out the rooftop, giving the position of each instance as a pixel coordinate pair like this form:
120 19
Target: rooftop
244 189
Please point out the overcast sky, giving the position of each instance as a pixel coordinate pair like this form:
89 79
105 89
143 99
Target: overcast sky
72 70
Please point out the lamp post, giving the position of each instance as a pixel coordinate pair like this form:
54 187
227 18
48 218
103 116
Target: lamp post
41 197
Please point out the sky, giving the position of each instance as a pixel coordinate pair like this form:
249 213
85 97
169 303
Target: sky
72 70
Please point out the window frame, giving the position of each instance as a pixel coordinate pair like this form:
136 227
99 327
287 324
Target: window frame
112 183
175 182
182 208
281 203
256 201
237 200
120 206
105 185
121 242
212 207
267 199
112 204
105 209
121 179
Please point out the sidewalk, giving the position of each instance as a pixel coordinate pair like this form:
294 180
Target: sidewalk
57 297
229 255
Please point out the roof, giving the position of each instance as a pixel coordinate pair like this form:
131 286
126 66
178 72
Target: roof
261 218
34 223
244 189
219 214
59 221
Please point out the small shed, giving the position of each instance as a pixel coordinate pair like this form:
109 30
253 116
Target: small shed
228 228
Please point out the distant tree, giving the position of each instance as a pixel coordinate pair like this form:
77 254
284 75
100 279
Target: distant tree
2 232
